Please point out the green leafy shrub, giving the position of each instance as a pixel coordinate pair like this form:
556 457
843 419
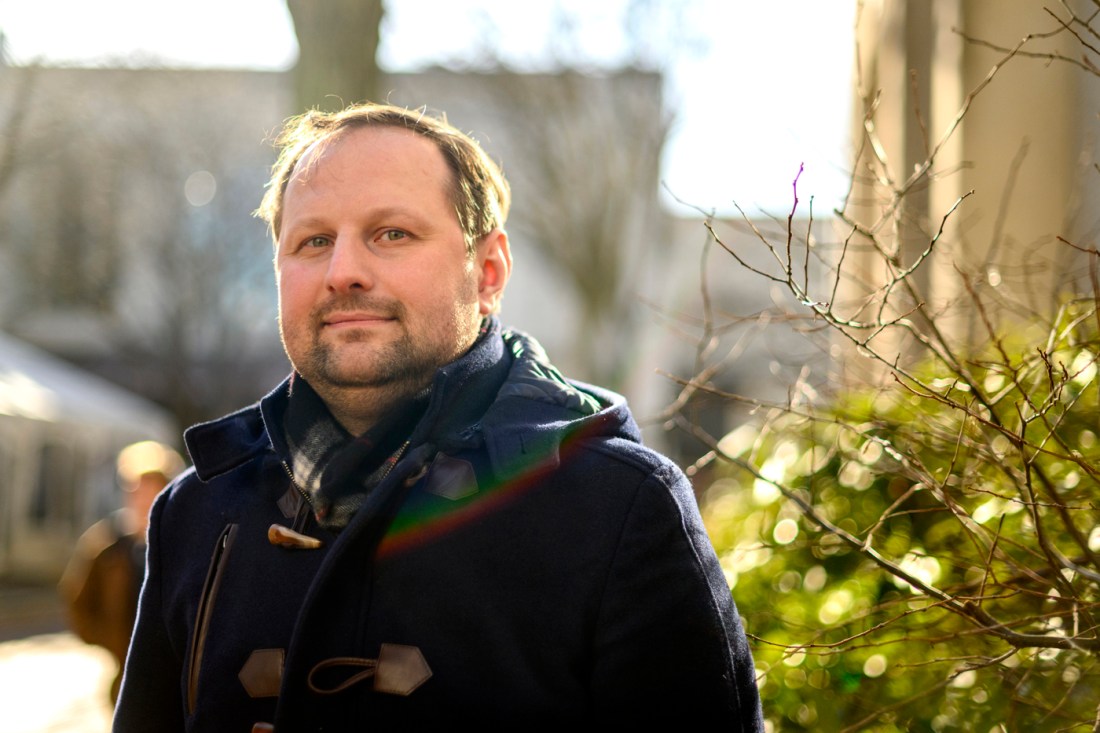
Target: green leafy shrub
924 556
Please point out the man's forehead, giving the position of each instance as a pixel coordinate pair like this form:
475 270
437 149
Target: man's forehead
380 140
388 163
396 169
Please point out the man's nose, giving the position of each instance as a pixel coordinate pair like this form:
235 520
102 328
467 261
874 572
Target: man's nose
349 266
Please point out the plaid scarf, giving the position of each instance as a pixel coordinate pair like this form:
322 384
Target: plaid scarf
334 469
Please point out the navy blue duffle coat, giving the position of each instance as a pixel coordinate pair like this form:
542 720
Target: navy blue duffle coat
528 563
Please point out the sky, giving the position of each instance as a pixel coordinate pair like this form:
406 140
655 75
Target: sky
758 89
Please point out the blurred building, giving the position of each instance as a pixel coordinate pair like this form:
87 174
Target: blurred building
60 431
127 245
994 101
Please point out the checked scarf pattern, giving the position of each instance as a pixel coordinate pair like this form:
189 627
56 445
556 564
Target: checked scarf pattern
334 469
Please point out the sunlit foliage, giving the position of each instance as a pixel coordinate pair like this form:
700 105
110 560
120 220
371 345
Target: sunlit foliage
925 556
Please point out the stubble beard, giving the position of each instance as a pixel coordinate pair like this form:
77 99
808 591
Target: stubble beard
350 368
388 365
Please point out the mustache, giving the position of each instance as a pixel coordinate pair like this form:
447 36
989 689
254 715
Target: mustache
365 302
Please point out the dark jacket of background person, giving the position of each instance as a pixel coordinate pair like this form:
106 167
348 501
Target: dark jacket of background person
101 582
100 587
527 549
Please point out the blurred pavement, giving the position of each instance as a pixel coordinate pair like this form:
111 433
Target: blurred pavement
50 681
55 683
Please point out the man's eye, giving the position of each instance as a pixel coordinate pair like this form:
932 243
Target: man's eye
316 242
394 235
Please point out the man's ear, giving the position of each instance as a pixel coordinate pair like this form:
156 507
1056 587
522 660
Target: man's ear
494 260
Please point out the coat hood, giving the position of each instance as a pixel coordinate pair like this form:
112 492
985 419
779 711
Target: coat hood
537 411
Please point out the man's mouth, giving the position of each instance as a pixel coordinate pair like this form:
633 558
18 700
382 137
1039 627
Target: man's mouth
347 313
352 320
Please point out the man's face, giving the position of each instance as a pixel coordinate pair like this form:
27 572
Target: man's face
376 288
141 493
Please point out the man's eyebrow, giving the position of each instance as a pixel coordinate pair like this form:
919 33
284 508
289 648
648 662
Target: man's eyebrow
305 222
383 212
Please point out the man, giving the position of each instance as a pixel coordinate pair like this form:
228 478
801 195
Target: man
425 524
101 582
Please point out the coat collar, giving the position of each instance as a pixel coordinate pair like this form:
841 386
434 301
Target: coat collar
503 394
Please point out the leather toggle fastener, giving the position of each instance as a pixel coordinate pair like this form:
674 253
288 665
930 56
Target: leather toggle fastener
262 673
399 670
282 536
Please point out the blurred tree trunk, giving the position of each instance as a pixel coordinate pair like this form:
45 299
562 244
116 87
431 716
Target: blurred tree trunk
337 44
11 126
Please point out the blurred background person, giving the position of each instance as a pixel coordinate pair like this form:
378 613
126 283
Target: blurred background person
101 583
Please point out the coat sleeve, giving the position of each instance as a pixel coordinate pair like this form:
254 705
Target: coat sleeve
151 698
669 643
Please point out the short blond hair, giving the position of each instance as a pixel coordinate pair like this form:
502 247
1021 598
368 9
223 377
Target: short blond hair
147 457
479 191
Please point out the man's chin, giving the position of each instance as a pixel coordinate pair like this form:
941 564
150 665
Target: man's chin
355 377
346 371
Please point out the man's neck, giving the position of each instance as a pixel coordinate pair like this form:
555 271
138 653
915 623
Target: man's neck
358 409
